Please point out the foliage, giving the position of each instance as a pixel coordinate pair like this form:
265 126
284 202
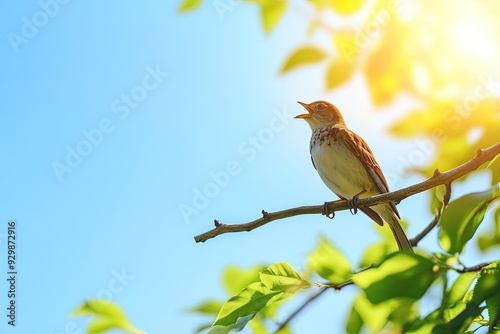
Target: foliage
106 316
441 56
446 63
384 294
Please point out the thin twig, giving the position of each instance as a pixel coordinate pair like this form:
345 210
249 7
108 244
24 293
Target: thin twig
297 311
446 199
477 267
438 178
336 287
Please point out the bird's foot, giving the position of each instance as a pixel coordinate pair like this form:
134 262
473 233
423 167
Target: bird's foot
354 202
325 210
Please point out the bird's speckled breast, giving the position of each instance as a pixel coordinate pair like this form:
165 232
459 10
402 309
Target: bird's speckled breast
339 168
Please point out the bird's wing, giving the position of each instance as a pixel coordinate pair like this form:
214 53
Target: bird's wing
361 149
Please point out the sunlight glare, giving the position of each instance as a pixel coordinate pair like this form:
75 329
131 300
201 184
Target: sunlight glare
472 39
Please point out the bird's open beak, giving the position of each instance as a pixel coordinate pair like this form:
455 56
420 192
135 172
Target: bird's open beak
308 108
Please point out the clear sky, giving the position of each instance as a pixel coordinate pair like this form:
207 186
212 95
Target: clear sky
115 117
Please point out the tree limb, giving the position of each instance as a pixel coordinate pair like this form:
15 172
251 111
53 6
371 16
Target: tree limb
336 287
477 267
439 178
414 241
298 310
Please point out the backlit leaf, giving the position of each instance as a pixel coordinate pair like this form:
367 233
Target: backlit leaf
329 262
236 279
106 315
278 281
346 7
345 44
462 217
489 238
272 12
493 306
189 5
247 303
338 72
460 287
488 284
305 55
282 277
393 277
373 316
208 307
461 321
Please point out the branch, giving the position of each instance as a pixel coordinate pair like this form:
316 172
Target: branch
472 269
336 287
439 178
414 242
297 311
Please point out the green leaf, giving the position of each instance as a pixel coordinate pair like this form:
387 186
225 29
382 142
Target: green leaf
493 306
354 322
488 284
462 217
278 281
304 55
494 166
374 253
459 288
329 262
272 12
282 277
107 315
345 44
235 279
491 239
346 7
338 72
400 275
189 5
247 303
236 327
461 322
374 316
437 199
210 306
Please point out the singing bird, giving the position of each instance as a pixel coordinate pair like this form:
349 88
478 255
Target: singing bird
346 165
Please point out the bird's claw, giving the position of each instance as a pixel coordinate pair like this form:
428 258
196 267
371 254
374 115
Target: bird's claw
325 211
354 202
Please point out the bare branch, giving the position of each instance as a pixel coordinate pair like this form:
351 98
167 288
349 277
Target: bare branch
414 242
298 310
477 267
336 287
437 179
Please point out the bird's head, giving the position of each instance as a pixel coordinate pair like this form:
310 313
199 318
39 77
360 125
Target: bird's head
321 113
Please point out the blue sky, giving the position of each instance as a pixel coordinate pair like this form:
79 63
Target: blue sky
115 117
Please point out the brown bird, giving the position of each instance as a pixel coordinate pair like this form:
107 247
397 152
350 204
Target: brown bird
346 165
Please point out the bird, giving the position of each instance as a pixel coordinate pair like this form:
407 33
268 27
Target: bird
347 166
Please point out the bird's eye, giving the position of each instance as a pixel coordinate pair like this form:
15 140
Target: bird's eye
320 106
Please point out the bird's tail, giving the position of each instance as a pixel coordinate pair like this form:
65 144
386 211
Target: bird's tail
400 236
